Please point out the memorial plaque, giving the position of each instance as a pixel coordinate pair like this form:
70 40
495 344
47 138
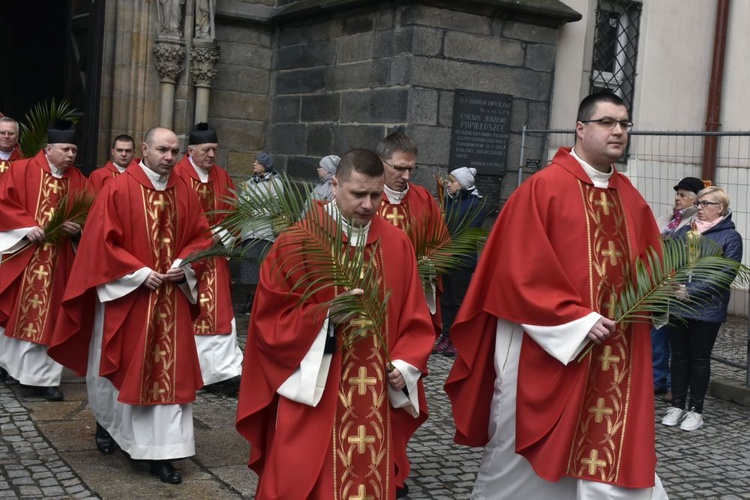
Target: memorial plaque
481 131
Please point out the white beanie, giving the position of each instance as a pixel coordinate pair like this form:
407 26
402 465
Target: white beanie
330 163
464 176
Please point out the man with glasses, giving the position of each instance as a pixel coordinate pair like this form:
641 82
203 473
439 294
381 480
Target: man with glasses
557 424
9 150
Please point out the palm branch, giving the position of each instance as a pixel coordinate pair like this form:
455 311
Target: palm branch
36 122
73 208
442 248
654 279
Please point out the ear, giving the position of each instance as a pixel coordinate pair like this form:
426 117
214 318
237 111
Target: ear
579 131
334 184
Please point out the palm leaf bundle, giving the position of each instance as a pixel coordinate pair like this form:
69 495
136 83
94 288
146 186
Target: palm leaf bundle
651 289
36 122
74 208
441 250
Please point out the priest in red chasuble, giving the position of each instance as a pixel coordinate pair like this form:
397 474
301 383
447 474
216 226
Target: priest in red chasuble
9 150
34 268
123 153
544 290
142 367
215 328
324 419
405 203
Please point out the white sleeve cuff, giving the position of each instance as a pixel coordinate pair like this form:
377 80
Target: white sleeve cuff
307 382
564 342
190 286
398 399
123 286
13 240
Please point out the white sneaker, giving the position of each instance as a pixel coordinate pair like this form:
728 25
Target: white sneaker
692 421
673 417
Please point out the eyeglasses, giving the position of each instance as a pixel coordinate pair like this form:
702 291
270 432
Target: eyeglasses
609 123
400 170
704 203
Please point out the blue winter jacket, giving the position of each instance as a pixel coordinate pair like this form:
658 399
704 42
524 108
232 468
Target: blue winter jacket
457 208
715 307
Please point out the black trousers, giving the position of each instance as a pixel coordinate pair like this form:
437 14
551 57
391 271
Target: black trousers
455 285
691 342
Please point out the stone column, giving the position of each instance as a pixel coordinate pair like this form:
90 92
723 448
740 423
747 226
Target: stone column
203 58
170 56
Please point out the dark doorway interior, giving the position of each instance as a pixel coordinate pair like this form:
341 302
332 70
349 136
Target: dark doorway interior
54 51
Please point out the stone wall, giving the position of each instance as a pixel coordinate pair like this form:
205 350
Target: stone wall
346 79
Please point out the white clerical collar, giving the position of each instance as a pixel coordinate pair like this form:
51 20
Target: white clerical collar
56 172
355 234
119 168
395 197
4 155
600 179
202 174
159 181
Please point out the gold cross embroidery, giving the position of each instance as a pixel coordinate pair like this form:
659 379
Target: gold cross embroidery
611 304
204 299
607 358
30 330
155 391
600 410
593 462
362 494
361 439
55 186
49 213
164 242
204 327
362 381
604 203
203 191
612 253
158 354
361 323
40 273
161 202
35 302
394 216
4 166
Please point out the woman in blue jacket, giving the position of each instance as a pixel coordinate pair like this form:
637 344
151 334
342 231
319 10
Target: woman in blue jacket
692 333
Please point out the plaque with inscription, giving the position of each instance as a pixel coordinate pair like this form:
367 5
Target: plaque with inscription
481 131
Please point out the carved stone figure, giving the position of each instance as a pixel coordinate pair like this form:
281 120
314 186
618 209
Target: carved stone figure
170 17
204 19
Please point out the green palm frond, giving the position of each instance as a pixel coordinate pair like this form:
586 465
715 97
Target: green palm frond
441 250
36 122
655 278
73 208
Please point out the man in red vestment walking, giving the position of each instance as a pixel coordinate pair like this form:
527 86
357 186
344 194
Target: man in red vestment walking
544 290
325 420
9 150
215 328
35 269
142 366
123 153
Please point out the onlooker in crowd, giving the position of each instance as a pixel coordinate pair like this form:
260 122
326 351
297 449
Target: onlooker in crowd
326 419
34 269
326 170
461 201
265 181
126 319
123 153
215 327
681 215
406 203
9 150
693 332
554 426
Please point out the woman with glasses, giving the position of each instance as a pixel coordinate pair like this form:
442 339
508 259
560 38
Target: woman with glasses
693 331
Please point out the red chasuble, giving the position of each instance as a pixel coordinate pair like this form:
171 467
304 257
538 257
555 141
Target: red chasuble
148 350
417 205
101 176
353 442
557 252
214 289
5 164
33 280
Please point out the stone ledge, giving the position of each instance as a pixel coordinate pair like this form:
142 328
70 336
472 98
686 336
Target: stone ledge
233 10
730 390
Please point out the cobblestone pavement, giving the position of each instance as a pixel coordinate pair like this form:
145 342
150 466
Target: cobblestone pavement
47 449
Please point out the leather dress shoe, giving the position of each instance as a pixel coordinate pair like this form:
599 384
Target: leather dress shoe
104 442
50 393
166 472
403 491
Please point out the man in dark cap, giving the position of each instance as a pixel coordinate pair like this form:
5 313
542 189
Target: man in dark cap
36 265
9 150
123 152
215 328
680 215
128 306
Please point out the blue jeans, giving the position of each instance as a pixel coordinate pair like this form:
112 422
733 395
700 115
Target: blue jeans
660 352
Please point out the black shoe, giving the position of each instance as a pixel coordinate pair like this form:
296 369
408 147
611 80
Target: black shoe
3 375
166 472
50 393
104 442
658 391
402 492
